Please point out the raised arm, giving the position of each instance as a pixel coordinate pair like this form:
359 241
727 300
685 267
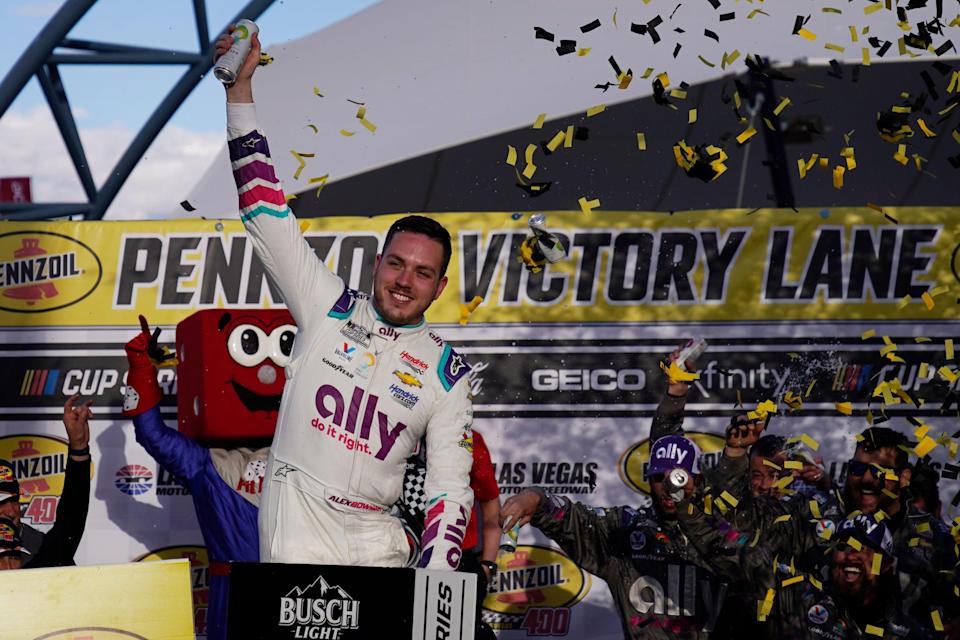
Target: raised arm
305 282
668 420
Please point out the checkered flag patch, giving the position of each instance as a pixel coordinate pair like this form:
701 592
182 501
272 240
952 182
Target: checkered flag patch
413 497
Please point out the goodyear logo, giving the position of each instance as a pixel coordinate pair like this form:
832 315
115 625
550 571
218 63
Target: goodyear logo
44 271
199 578
91 633
532 577
633 462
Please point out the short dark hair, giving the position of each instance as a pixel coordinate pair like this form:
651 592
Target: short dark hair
769 446
875 438
428 227
924 484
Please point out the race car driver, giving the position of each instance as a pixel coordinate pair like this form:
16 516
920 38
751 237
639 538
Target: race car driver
367 379
643 554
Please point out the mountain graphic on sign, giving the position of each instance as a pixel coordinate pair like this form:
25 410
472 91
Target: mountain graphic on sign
319 589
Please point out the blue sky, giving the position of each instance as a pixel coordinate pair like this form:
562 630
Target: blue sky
127 94
111 102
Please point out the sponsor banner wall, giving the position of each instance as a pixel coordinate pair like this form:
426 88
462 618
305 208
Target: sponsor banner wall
565 363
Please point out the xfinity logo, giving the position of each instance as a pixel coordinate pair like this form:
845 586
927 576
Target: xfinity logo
319 610
588 379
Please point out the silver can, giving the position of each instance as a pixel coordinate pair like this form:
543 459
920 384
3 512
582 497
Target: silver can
228 65
691 351
676 483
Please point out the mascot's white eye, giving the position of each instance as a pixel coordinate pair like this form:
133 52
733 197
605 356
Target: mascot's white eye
281 343
248 345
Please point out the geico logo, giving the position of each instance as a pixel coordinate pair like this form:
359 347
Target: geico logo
588 379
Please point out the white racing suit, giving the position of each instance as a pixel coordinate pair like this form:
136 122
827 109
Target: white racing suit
360 395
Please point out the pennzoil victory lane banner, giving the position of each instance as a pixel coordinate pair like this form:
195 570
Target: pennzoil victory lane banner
565 362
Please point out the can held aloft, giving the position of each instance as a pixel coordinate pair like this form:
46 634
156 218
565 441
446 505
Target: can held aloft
677 483
228 65
691 351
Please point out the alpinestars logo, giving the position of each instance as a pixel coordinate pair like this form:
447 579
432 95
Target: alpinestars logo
319 611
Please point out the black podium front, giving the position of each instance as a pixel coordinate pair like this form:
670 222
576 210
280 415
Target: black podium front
280 601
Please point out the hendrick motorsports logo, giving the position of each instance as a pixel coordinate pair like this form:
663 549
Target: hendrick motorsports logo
199 579
134 479
531 584
319 610
43 271
633 463
39 463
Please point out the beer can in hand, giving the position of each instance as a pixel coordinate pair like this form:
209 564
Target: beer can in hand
228 65
691 351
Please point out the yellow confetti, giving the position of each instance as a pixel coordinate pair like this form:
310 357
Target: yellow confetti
948 348
924 370
592 111
675 373
530 167
815 582
538 123
783 518
692 116
313 128
467 309
865 56
706 62
587 206
729 498
641 142
925 446
853 542
927 300
780 107
925 129
582 51
853 34
810 388
870 628
290 196
947 374
755 12
809 35
568 137
838 172
875 565
954 81
845 408
301 159
316 92
746 135
873 8
937 622
869 333
901 154
770 463
321 180
556 141
815 509
834 47
344 132
511 156
793 464
729 58
790 581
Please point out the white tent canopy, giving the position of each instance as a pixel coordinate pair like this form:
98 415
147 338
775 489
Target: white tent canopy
435 74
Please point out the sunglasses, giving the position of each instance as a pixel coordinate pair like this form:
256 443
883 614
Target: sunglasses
857 468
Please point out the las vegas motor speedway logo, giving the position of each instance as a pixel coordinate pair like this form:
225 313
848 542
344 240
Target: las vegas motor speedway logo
319 610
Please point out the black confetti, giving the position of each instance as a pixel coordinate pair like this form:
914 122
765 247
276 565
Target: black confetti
882 50
946 46
616 68
798 24
711 34
728 16
714 3
590 27
954 161
581 133
950 471
836 71
543 34
676 49
605 86
931 87
535 189
638 28
566 46
187 206
675 10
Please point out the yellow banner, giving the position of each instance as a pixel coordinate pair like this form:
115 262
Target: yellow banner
116 602
732 265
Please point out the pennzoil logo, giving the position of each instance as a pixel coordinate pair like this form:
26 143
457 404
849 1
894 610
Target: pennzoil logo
632 466
199 578
39 463
91 633
44 271
529 581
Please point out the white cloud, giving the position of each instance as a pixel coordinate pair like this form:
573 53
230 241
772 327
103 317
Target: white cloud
42 9
32 146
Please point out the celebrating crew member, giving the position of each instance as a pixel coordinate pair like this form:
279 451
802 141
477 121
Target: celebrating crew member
225 483
643 554
366 381
26 547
